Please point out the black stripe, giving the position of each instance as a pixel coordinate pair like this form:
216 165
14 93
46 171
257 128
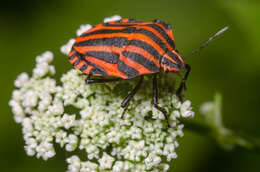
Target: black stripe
109 31
98 69
72 56
153 52
134 21
120 25
153 37
73 53
122 67
175 57
165 25
148 64
164 34
76 62
169 63
115 41
105 56
84 67
131 30
178 61
129 71
147 47
169 40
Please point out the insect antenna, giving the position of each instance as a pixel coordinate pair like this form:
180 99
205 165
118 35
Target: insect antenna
205 43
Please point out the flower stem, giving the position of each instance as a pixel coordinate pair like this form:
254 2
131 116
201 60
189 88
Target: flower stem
226 138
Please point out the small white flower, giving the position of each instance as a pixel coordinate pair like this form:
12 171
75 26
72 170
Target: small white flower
65 49
31 146
57 108
52 70
17 110
45 101
164 167
21 80
30 99
74 164
72 141
171 156
45 150
17 96
188 114
106 161
41 69
83 28
61 137
152 160
186 109
27 123
68 120
135 132
112 18
119 166
88 167
45 57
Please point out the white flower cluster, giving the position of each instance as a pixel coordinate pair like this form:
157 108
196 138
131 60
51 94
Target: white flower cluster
78 116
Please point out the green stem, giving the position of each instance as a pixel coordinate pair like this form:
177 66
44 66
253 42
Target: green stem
196 126
226 138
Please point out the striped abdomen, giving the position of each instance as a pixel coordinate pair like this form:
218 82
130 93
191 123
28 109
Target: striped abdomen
126 49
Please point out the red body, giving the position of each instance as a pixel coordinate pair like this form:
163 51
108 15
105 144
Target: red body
126 48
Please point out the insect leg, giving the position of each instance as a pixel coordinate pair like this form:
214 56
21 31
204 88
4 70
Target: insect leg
125 102
182 86
155 100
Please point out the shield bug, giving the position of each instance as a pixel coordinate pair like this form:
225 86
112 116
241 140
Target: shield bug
129 48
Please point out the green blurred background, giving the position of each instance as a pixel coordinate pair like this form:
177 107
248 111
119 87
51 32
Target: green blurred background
230 65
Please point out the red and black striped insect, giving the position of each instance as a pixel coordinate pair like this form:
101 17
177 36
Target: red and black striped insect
127 49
